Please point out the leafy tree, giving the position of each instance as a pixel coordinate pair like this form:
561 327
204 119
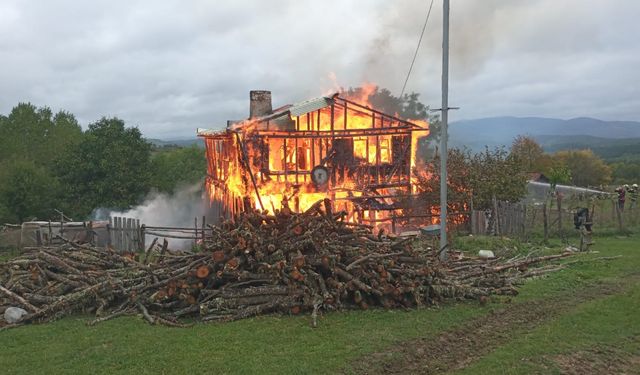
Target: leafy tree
458 188
31 142
558 174
586 168
496 173
110 168
176 166
36 134
26 191
626 172
530 154
481 176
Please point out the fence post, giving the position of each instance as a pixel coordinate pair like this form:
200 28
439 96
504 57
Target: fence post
619 216
128 234
119 233
204 227
524 220
559 199
545 221
496 220
143 237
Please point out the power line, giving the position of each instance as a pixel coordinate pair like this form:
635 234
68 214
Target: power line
417 48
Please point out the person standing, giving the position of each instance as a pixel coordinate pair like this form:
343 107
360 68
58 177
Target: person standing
633 196
621 197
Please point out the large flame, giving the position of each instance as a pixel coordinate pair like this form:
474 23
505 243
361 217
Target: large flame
297 192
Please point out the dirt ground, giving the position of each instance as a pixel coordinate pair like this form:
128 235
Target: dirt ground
458 348
598 360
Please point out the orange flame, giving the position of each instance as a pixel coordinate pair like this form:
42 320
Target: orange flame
296 191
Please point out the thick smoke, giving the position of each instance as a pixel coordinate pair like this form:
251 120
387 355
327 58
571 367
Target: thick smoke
167 210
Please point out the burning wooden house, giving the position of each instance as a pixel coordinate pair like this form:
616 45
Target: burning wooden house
329 147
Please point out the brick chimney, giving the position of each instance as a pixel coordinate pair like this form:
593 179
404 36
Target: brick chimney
260 103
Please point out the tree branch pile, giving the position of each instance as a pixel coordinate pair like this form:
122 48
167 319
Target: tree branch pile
252 265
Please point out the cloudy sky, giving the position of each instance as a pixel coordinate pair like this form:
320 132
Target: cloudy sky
169 67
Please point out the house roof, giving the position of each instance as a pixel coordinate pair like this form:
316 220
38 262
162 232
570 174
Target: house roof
293 110
538 177
280 115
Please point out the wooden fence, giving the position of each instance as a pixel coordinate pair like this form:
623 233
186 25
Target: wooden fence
129 235
506 219
553 218
125 234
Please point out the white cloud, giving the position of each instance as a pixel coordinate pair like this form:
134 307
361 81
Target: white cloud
171 66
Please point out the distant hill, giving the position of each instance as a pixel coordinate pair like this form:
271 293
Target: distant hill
611 140
609 149
496 131
183 142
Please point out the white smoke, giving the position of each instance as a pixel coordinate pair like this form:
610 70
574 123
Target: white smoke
178 210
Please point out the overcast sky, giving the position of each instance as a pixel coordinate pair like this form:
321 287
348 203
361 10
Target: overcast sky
170 67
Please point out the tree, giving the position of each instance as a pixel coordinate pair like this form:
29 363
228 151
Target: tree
558 174
31 142
496 173
26 191
530 154
586 168
458 188
626 172
176 166
36 134
110 168
483 176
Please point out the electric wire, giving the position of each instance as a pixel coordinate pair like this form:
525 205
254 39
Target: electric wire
404 86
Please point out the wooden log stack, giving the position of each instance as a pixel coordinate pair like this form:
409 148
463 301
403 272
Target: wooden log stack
254 264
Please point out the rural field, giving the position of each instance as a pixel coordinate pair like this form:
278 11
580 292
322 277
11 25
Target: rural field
319 187
582 319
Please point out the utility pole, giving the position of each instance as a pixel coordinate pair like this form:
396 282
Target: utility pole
443 130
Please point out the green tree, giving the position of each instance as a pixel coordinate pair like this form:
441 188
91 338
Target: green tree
626 172
496 173
558 174
32 141
26 191
428 179
175 166
110 168
530 154
37 134
482 176
586 168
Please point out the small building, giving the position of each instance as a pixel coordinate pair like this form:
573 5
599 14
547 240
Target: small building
329 147
538 177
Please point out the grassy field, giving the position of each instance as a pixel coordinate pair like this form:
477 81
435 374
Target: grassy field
585 315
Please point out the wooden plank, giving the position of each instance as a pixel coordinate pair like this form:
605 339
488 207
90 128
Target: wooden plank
119 233
110 232
121 222
114 233
139 238
127 233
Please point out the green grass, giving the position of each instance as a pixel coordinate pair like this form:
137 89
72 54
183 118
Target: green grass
611 321
288 345
265 345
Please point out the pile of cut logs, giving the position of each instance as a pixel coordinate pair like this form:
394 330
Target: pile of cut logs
254 264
